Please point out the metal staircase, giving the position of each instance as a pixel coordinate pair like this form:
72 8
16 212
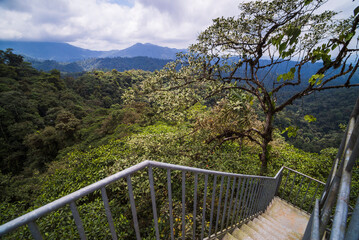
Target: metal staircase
281 221
203 204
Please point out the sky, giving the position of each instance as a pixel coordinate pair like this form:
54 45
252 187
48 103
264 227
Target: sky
117 24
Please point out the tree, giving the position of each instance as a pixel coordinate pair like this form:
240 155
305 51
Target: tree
251 52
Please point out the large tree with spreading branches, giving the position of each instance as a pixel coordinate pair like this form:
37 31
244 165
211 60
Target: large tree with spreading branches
245 53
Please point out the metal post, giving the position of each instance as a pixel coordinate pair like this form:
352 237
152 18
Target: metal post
353 228
169 187
183 205
219 205
311 202
305 195
225 204
300 187
240 202
285 185
78 221
236 202
108 213
133 207
315 227
195 205
230 203
35 232
204 204
153 199
295 175
212 204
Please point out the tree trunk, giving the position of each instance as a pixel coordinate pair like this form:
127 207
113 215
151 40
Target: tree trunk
266 139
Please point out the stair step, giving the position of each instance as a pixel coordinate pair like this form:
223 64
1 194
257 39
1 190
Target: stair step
229 236
270 229
251 232
280 221
265 230
262 230
280 228
240 235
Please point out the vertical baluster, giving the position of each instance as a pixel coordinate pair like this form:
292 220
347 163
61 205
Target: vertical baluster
311 202
225 204
255 198
243 203
250 198
305 195
285 185
108 213
295 175
260 194
78 221
153 199
300 187
219 205
183 205
230 202
34 229
195 205
240 201
236 202
245 199
204 204
133 207
212 204
169 187
266 199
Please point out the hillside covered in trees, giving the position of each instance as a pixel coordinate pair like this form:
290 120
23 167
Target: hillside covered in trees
55 129
246 114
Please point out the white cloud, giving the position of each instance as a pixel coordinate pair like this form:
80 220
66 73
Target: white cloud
114 24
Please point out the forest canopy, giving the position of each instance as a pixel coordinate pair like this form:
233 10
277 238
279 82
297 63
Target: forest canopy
246 98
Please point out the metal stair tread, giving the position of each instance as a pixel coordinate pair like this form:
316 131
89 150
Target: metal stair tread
229 236
266 234
283 229
251 232
272 225
270 229
240 235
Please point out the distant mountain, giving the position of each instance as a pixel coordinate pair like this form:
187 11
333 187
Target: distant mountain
123 64
64 52
146 50
118 63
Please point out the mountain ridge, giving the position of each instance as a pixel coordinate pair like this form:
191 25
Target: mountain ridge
65 52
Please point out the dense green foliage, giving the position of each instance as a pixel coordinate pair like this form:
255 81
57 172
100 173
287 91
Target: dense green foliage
42 113
62 133
106 64
331 110
233 53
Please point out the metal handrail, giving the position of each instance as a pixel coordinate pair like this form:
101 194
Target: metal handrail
338 188
241 197
304 185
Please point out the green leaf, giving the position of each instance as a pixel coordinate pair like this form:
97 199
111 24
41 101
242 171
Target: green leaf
291 131
310 118
356 11
295 34
314 78
282 47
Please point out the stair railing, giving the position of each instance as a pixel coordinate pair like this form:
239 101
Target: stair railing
299 189
211 202
337 189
